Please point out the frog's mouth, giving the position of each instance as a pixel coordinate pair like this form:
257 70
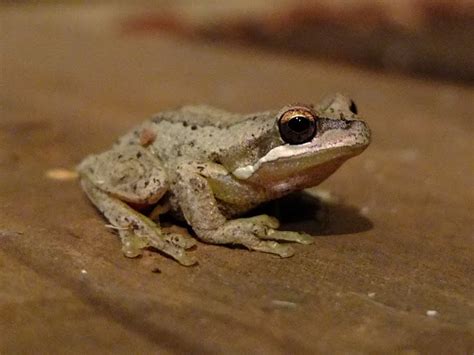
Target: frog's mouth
289 160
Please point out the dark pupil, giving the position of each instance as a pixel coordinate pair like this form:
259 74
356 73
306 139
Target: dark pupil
299 124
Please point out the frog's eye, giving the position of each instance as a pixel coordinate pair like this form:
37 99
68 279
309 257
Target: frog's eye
297 126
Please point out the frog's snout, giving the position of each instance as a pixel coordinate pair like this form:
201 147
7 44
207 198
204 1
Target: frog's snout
361 131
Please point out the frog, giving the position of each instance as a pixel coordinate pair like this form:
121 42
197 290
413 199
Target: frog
208 167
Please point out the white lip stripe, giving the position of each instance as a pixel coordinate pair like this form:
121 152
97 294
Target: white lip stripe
287 150
283 151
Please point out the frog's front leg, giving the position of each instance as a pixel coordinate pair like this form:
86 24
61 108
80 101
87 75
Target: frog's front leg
200 208
131 174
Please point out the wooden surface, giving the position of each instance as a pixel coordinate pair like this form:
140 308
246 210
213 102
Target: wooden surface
393 242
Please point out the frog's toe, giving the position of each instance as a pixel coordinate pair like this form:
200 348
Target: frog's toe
284 251
264 220
132 245
170 247
130 251
182 257
289 236
172 244
264 227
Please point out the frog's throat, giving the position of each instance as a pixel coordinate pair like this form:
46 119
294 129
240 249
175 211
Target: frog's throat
330 151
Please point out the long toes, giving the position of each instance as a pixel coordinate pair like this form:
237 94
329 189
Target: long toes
169 248
290 236
283 251
176 252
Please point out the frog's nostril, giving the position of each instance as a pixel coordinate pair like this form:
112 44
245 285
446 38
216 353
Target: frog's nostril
353 107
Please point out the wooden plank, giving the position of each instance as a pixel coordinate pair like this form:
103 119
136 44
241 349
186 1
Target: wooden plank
396 244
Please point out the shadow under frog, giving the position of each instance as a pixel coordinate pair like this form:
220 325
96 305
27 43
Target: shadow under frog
301 211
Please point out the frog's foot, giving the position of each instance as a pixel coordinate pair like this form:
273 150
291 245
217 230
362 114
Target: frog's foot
133 245
256 233
136 231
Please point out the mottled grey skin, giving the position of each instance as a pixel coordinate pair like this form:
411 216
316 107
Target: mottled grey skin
208 166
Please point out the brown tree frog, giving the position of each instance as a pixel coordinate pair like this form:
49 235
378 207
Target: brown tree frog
208 166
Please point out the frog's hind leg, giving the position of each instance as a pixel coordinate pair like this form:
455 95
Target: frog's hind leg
131 174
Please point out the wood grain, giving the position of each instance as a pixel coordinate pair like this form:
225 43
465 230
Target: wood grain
395 242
